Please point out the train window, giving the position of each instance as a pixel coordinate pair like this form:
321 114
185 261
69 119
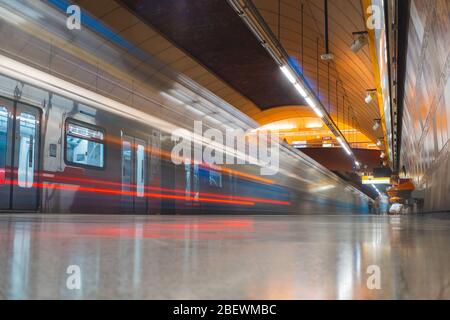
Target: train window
215 178
196 182
187 170
140 171
3 141
27 146
127 165
84 145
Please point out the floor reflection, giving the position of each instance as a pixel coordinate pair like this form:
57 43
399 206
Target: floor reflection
251 257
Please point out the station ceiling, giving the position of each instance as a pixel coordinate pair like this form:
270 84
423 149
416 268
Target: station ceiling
207 41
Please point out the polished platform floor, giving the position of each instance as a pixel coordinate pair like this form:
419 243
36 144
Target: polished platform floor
224 257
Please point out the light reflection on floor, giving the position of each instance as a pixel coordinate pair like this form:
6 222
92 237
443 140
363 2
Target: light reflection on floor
237 257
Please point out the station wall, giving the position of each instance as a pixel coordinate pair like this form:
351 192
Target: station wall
426 115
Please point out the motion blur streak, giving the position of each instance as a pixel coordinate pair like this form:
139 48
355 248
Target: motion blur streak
134 193
168 156
63 179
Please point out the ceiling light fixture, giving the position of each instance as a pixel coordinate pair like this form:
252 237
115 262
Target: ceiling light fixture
360 41
255 22
370 95
300 90
379 142
341 142
310 102
376 124
288 74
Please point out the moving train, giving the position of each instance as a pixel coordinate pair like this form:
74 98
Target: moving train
81 142
66 156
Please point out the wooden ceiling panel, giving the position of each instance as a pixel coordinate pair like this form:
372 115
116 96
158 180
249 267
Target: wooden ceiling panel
352 71
101 7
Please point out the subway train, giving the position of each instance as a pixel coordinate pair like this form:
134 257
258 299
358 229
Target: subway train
80 152
85 128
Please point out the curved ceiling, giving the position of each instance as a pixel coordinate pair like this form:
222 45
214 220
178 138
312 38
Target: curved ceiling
342 84
212 33
134 30
250 80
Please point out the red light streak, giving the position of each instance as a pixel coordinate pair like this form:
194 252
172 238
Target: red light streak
156 192
168 156
224 198
212 195
134 193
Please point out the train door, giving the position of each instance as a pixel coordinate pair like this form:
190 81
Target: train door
155 171
134 172
19 156
6 110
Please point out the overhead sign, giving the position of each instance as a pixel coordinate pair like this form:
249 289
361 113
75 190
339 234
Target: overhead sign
376 180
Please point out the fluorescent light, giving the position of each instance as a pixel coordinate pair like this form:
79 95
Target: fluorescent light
288 74
310 102
379 142
318 112
376 189
236 8
347 150
341 142
300 90
253 29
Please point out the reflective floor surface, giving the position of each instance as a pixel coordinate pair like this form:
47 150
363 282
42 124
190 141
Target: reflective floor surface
223 257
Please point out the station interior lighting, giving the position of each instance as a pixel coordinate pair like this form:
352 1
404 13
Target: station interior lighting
365 180
379 142
341 142
246 11
292 79
370 95
376 189
376 124
288 75
359 41
300 90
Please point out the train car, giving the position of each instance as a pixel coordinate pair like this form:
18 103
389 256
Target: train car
66 156
85 134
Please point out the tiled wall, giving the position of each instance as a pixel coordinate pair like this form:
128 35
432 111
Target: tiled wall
426 119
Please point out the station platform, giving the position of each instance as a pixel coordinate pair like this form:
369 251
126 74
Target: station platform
224 257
